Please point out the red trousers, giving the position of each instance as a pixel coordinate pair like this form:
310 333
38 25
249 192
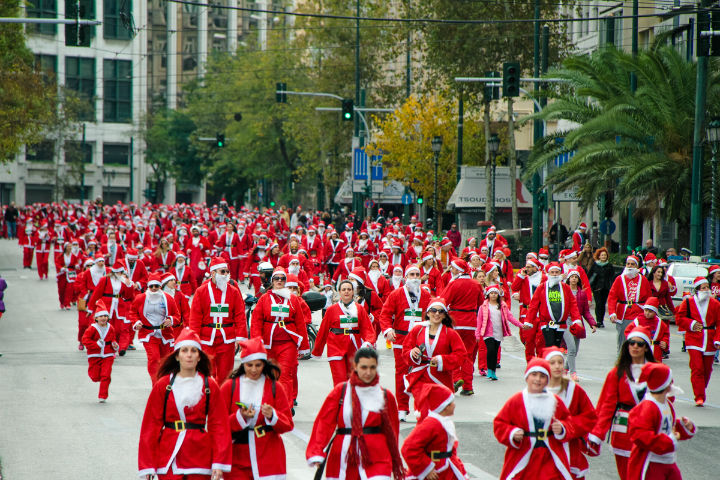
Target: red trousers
661 471
27 257
123 331
235 270
42 264
342 369
223 357
155 350
541 465
192 476
83 322
256 283
239 473
528 339
401 368
465 371
99 370
700 369
65 291
285 355
622 466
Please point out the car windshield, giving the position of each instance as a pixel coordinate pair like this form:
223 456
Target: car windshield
690 270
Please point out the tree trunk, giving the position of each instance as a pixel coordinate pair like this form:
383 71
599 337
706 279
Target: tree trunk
513 168
488 172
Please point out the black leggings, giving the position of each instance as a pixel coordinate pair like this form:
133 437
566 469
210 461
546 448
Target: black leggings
331 269
600 304
492 347
552 337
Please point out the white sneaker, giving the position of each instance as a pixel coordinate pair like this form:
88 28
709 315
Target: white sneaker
402 415
102 400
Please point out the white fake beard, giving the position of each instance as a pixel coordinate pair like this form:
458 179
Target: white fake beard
397 280
413 285
261 254
169 291
553 281
374 275
294 270
541 405
154 297
418 249
703 296
630 274
283 292
221 281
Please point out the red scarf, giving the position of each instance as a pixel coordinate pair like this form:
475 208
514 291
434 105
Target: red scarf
357 440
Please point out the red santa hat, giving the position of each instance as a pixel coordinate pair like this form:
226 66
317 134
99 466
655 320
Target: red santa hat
217 263
534 262
573 271
439 303
570 253
99 258
359 275
650 257
658 376
445 242
713 269
633 258
167 277
252 349
132 254
543 252
470 240
537 365
364 232
493 288
699 281
583 225
553 266
397 243
435 397
411 268
88 262
118 267
489 267
148 250
398 268
642 333
491 229
100 309
460 264
551 352
279 272
427 255
187 338
652 303
292 281
155 279
180 255
530 255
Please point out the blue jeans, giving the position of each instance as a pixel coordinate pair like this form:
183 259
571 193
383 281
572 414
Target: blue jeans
12 229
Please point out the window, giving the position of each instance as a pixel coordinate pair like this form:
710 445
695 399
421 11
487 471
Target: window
81 38
40 152
611 31
118 90
76 151
42 9
80 76
116 154
47 65
116 15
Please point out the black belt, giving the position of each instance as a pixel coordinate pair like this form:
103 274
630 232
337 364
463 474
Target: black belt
365 431
709 328
217 325
541 435
436 455
401 332
344 331
151 327
522 305
243 436
462 310
179 426
626 302
624 406
111 295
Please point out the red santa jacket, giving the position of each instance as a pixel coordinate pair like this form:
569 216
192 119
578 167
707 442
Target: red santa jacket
658 329
186 281
651 428
167 445
618 396
515 415
196 253
98 344
428 437
522 285
217 316
344 330
147 328
183 305
256 442
138 274
433 280
625 295
333 251
381 286
688 315
446 347
163 261
463 297
344 268
42 245
540 313
336 412
663 294
117 298
582 420
229 242
279 319
67 266
401 314
315 244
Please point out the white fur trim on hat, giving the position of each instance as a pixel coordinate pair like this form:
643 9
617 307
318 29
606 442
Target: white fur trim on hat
254 356
651 307
700 282
554 267
191 343
412 268
427 257
640 335
494 288
290 283
444 404
100 313
437 304
218 266
154 282
536 368
571 254
666 384
554 353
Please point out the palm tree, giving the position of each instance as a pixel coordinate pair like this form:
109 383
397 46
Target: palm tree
635 144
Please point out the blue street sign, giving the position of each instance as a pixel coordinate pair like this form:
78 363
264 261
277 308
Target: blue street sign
607 227
563 158
407 199
360 166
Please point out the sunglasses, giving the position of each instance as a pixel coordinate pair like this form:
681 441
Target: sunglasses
636 343
222 271
154 287
279 279
435 310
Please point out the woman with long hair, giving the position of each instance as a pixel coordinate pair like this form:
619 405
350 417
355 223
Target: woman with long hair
576 331
602 275
185 433
259 412
660 288
164 257
621 391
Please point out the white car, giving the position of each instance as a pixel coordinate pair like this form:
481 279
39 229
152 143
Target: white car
684 274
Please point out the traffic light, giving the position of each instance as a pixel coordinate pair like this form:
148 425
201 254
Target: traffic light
708 20
420 200
347 110
220 140
280 95
511 79
272 203
491 93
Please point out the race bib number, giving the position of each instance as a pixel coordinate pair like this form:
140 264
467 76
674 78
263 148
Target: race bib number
346 321
220 310
620 422
280 311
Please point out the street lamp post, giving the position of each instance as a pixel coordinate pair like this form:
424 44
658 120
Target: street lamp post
436 147
493 146
713 137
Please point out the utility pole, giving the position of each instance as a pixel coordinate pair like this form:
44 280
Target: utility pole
132 174
631 241
82 168
357 198
461 121
538 133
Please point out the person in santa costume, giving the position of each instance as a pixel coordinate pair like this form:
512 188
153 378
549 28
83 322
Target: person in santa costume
582 412
430 450
378 282
185 433
42 240
229 242
433 350
347 265
463 296
628 292
164 257
397 279
493 324
622 391
153 314
182 302
492 241
101 344
218 315
279 319
553 308
654 429
67 264
355 435
534 425
404 308
116 289
659 331
524 285
333 253
259 413
577 331
345 328
579 237
699 316
197 249
366 297
136 270
183 275
430 274
82 295
26 239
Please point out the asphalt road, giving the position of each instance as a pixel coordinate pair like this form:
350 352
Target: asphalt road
51 426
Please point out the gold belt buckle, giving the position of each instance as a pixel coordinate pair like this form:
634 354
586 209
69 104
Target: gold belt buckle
259 431
346 331
179 425
433 455
542 434
281 323
629 303
218 326
551 323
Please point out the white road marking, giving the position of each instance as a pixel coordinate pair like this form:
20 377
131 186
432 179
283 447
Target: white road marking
478 473
301 435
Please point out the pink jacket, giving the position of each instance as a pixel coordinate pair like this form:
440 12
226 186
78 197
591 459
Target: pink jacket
484 324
